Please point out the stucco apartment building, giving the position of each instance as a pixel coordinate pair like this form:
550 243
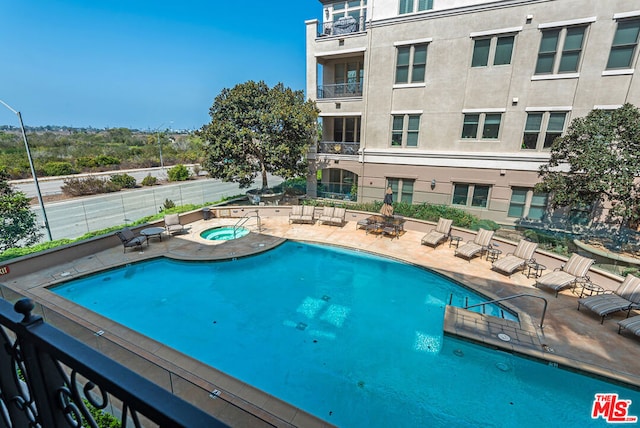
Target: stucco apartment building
458 101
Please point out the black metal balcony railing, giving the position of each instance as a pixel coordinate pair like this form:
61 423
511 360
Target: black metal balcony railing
339 148
49 379
340 90
347 25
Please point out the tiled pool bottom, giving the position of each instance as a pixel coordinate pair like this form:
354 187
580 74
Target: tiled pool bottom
350 365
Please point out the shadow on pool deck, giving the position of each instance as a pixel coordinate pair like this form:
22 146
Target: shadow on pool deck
569 338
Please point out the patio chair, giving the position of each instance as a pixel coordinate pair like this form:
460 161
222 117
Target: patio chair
480 243
632 324
624 298
522 255
440 234
574 270
129 240
172 224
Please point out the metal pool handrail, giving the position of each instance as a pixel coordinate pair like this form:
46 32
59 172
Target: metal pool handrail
544 309
245 218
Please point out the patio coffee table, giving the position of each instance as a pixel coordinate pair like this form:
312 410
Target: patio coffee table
149 232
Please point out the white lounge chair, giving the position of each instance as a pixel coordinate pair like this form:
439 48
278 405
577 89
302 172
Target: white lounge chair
574 270
440 234
480 243
522 255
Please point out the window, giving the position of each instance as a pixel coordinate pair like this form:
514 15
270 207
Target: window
348 77
474 195
552 59
517 203
409 6
625 43
489 123
402 189
538 206
405 129
526 203
500 46
346 129
354 10
411 63
552 122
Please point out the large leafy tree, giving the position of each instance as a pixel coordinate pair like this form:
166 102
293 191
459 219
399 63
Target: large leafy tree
256 130
598 161
18 225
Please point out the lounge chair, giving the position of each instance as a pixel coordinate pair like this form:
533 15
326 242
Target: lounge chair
440 234
632 324
522 255
172 224
624 298
574 270
129 240
480 243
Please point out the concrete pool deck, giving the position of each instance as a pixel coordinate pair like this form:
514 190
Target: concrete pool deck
570 338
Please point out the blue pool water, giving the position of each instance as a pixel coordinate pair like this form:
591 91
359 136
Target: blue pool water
353 338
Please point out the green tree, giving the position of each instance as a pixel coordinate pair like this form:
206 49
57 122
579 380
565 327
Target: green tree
18 225
597 161
256 130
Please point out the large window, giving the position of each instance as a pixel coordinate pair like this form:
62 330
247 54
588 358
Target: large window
500 48
542 128
625 43
411 63
481 126
471 195
410 6
352 12
402 189
405 129
348 77
560 50
346 129
527 203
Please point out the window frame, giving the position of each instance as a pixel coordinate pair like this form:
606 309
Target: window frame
544 139
615 47
479 127
561 51
402 189
530 203
413 6
492 49
407 131
411 65
472 194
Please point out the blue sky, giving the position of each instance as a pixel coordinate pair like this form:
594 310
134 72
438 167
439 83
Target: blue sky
142 64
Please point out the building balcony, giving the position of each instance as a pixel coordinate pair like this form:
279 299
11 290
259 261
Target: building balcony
338 148
340 90
344 25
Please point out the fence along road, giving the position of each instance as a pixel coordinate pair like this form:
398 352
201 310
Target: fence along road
75 217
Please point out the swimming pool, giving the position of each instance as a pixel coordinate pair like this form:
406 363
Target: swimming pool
352 338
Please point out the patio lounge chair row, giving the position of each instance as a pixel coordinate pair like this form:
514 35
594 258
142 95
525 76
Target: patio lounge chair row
306 214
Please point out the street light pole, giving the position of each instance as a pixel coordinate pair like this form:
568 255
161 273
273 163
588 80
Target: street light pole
159 144
33 170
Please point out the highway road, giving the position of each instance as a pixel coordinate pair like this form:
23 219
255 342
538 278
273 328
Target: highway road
52 185
75 217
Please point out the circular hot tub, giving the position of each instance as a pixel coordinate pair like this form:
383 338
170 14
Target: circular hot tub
224 233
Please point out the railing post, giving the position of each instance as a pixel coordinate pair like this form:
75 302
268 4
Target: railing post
42 375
